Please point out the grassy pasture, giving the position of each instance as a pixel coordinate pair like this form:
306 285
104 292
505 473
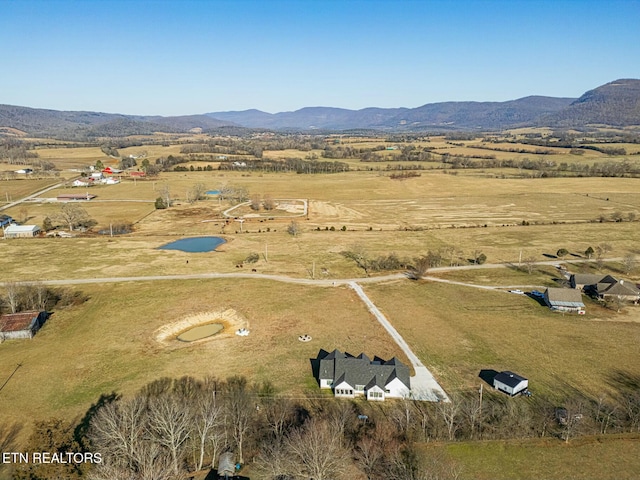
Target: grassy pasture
107 344
20 188
589 458
459 331
65 158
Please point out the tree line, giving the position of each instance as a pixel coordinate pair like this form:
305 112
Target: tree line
174 427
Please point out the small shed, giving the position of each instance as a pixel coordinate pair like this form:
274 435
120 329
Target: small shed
21 325
510 383
21 231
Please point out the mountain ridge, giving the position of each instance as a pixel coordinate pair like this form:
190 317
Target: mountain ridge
616 103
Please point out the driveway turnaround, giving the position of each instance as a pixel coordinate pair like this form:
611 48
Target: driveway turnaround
423 385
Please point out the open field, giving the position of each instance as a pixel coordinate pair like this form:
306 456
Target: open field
17 189
459 331
107 344
590 458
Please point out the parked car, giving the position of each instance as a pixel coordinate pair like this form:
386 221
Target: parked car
537 293
518 292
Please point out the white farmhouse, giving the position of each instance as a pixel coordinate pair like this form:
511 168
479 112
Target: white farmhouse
350 376
21 231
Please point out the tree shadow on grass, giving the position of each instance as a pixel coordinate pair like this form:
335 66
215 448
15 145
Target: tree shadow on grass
82 428
8 435
624 382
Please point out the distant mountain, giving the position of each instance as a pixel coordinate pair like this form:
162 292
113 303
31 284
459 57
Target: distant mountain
616 103
43 122
447 115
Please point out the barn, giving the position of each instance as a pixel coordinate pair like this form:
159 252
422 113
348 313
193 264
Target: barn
21 231
21 325
74 197
511 383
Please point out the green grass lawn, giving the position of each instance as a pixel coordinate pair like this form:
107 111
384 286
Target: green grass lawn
588 458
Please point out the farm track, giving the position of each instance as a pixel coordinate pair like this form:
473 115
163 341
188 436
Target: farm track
325 282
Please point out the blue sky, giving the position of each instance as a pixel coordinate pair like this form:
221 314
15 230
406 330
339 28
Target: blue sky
194 56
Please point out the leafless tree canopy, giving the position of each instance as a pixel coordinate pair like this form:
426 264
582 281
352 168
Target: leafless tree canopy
172 428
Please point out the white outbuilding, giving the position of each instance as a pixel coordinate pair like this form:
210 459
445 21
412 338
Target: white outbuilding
19 231
510 383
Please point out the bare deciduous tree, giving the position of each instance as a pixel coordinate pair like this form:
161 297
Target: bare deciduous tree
420 267
316 451
240 410
255 202
169 422
12 296
294 228
268 202
72 215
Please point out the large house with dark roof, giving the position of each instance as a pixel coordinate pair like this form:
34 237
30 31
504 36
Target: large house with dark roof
606 287
350 376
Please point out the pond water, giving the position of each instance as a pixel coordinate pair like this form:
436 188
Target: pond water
213 192
194 244
200 332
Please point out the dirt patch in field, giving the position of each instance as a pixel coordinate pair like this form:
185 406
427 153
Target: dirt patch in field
229 319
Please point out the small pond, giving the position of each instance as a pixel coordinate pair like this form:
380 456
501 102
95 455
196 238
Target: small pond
194 244
200 332
213 192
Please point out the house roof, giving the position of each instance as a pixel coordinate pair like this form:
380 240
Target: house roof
619 288
564 297
509 378
590 279
15 322
75 196
343 367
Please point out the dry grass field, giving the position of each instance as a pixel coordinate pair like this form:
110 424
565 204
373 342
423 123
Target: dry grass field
12 190
108 343
591 458
461 330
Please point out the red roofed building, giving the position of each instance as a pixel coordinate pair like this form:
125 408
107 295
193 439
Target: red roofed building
21 325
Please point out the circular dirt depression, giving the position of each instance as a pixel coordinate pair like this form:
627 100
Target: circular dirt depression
201 327
200 332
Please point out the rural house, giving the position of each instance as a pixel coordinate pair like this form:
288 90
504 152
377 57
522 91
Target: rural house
564 300
620 289
5 220
21 231
606 287
511 383
350 376
21 325
581 281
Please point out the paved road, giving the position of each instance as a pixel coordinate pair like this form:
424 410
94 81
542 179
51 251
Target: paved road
423 385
